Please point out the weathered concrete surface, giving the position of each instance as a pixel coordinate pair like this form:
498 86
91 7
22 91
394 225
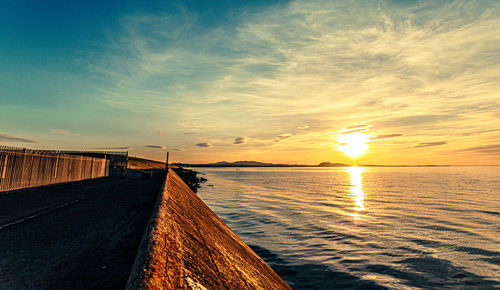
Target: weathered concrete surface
186 246
80 236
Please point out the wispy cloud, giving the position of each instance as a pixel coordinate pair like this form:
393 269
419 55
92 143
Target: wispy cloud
413 121
485 149
363 48
430 144
156 146
163 147
177 149
282 137
387 136
241 140
115 148
356 127
479 132
12 138
353 131
428 67
204 145
63 132
303 127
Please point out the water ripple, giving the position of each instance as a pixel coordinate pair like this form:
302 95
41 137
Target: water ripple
329 228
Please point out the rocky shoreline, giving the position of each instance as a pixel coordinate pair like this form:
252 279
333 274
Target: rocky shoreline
190 177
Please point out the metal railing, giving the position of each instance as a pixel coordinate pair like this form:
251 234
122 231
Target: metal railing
23 168
118 160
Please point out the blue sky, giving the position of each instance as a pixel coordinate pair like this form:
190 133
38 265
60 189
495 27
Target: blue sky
270 81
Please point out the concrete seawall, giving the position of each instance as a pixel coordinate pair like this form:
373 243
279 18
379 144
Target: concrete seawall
186 246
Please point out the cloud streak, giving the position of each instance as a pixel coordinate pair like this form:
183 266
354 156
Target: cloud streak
356 127
114 148
430 144
12 138
204 145
63 132
387 136
485 149
156 146
353 131
282 137
241 140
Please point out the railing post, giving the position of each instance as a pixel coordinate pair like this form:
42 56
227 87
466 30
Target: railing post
166 163
57 166
23 174
5 166
91 166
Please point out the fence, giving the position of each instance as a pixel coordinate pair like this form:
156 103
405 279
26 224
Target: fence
117 160
23 168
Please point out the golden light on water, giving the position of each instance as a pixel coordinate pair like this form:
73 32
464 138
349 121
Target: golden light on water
353 144
357 194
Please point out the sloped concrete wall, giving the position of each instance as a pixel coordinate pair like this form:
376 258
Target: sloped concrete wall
186 246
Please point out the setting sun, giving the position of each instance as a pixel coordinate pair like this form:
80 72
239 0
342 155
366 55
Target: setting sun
353 144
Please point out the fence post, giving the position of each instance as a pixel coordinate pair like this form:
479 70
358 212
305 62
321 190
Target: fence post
126 164
31 170
5 166
22 182
57 166
91 165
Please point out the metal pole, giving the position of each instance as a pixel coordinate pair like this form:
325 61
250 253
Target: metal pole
166 165
91 166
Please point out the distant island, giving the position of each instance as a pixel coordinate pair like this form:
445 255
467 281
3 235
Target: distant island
241 164
252 164
263 164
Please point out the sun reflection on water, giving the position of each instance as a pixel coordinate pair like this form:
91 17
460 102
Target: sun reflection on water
357 194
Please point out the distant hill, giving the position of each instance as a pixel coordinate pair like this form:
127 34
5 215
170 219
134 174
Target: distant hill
245 163
260 164
263 164
329 164
239 164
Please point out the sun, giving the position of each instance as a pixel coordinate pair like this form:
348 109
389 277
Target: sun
353 144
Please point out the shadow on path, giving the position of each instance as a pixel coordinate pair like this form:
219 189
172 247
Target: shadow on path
87 244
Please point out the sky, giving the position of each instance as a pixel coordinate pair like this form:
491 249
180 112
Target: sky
271 81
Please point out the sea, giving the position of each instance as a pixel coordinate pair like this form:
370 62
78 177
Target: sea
366 227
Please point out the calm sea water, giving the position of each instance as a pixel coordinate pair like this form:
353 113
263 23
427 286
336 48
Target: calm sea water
366 227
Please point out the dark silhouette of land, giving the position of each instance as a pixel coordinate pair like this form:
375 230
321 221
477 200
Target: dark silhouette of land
263 164
253 164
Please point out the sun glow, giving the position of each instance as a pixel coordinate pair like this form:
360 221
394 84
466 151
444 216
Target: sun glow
353 144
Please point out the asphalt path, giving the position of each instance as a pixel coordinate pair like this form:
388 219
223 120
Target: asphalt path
75 236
